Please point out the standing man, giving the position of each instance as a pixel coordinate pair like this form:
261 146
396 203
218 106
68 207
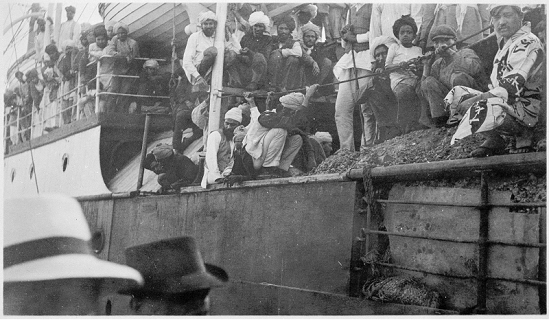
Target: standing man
177 281
452 68
124 50
219 150
354 63
517 82
68 30
49 265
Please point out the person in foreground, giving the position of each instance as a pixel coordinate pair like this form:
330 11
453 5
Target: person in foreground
177 281
49 266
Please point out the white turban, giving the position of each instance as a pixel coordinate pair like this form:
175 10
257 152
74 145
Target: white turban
323 137
206 15
311 27
234 114
293 101
122 25
259 17
381 40
67 43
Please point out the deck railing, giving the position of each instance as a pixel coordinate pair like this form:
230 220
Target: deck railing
50 116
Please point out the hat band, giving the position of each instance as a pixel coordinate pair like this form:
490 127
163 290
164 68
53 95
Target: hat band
43 248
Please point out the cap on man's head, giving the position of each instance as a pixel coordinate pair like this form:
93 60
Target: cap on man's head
47 237
40 21
51 48
234 114
493 8
442 31
206 15
100 31
173 266
162 151
70 9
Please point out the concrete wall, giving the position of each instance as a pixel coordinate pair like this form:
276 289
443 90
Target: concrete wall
503 297
294 235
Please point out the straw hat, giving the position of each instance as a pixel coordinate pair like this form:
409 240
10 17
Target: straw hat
173 266
47 237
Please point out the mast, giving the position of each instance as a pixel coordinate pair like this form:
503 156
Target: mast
217 71
57 24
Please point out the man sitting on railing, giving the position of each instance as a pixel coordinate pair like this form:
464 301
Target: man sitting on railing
200 53
124 50
151 83
174 170
284 58
315 67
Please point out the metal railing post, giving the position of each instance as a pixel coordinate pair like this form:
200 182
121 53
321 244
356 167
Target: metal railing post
17 126
143 151
97 87
77 97
484 210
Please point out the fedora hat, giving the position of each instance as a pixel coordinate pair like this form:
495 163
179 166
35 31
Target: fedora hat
173 266
47 237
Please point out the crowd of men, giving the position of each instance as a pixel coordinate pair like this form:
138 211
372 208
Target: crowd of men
407 66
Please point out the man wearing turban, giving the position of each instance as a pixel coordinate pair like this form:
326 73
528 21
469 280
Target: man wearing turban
174 170
256 48
123 49
95 51
270 146
284 58
68 80
303 17
153 83
315 67
68 30
219 150
200 53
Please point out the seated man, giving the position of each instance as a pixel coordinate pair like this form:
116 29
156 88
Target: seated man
325 140
174 170
123 49
200 53
517 82
177 281
284 58
268 142
317 68
151 83
453 68
219 150
251 63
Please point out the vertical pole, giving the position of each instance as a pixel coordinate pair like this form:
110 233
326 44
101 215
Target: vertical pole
17 126
542 266
77 97
97 82
483 245
217 72
57 26
143 151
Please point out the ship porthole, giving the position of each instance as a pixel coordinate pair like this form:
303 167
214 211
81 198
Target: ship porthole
31 171
98 241
65 160
12 175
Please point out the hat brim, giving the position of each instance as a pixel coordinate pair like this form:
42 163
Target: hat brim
211 278
70 266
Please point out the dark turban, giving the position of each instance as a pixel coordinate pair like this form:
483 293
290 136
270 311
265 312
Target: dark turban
51 48
31 74
288 21
100 31
405 20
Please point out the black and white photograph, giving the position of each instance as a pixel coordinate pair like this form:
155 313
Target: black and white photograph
274 159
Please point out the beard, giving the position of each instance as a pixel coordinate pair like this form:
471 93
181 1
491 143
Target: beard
228 133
